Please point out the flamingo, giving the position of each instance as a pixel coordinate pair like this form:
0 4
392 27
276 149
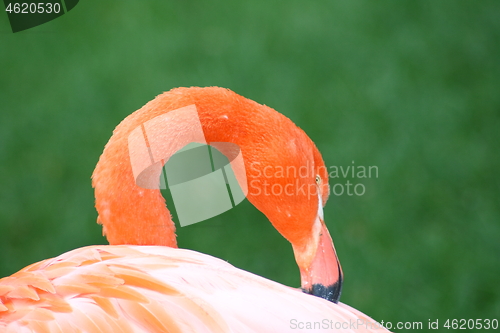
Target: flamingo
142 282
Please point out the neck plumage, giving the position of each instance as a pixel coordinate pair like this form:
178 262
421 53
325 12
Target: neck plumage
132 214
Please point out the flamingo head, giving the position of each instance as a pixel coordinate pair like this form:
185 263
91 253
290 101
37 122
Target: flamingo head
286 178
297 189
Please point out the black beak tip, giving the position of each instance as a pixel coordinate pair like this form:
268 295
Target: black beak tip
330 293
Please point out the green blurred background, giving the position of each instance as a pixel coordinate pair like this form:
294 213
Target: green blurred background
412 87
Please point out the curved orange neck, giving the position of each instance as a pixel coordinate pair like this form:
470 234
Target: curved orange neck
269 142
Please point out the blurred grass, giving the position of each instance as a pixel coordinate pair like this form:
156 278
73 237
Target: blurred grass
411 87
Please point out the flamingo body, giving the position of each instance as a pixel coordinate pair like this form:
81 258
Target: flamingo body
157 289
143 283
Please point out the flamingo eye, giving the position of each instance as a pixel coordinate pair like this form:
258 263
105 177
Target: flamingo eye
318 179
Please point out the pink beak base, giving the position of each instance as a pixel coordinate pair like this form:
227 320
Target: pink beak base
324 276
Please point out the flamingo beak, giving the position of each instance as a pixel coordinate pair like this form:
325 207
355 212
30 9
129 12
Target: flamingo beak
323 277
